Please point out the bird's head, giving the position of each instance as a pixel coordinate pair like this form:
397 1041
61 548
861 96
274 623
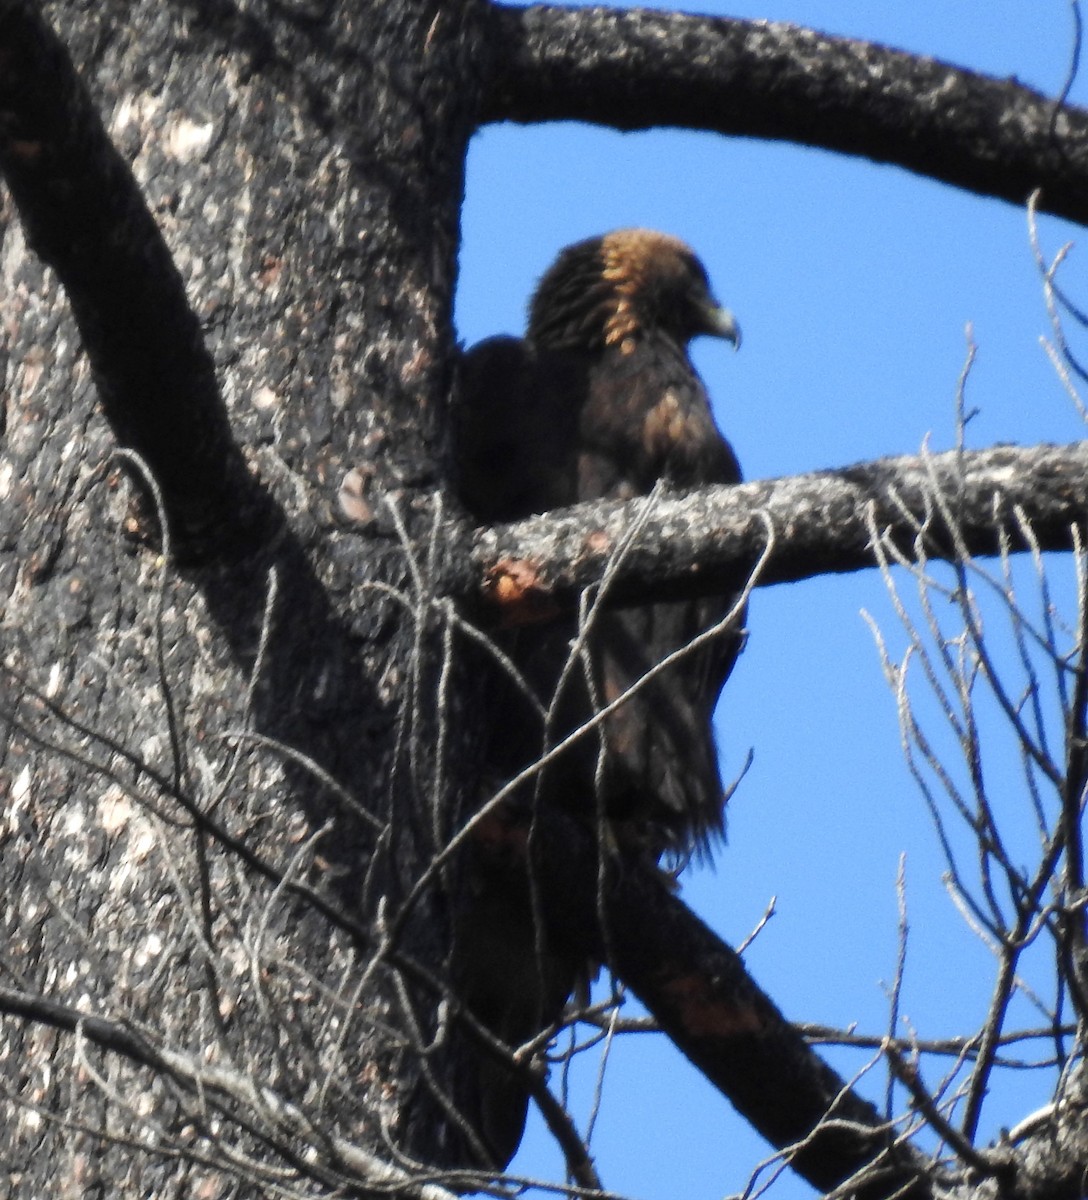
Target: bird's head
614 289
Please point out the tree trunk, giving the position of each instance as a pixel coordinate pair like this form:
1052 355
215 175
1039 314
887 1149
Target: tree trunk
237 751
166 774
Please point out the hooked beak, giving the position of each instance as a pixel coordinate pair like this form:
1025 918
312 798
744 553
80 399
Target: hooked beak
721 323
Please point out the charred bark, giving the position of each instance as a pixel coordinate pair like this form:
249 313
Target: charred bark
636 69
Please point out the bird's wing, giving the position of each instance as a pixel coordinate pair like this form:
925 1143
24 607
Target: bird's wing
515 431
647 417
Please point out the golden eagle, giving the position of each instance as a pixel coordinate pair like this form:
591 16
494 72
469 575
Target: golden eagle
600 400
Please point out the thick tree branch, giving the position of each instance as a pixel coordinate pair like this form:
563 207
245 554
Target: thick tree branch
707 1003
85 216
819 524
635 69
720 1019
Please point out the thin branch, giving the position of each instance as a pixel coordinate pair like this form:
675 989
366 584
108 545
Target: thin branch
727 624
909 1078
1074 65
965 1048
1074 791
896 992
193 1074
709 1006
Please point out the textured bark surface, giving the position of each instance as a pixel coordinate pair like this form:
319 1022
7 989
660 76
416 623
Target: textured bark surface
1009 497
83 214
220 781
703 998
635 69
305 171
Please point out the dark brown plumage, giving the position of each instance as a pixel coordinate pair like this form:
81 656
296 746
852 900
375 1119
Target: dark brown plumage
600 400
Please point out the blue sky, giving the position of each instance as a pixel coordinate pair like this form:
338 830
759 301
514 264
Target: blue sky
853 284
